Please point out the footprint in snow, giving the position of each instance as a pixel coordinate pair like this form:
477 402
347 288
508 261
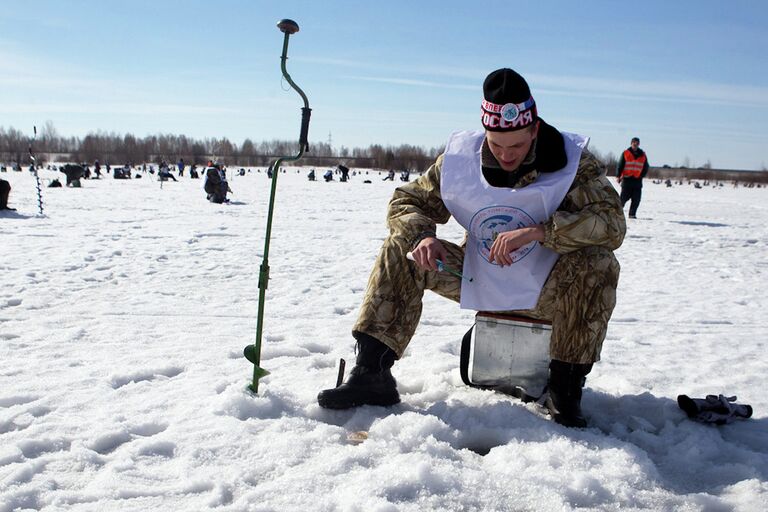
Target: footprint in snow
317 348
33 448
118 381
108 442
22 419
10 401
166 449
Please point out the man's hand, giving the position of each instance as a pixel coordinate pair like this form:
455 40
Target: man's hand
510 241
426 254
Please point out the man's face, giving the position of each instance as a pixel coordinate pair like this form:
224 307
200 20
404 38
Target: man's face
635 144
511 148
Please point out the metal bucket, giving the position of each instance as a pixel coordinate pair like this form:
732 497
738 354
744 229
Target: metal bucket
510 354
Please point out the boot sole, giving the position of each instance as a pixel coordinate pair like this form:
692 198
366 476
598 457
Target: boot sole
570 423
564 419
329 403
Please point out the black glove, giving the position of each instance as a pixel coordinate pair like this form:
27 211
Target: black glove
717 409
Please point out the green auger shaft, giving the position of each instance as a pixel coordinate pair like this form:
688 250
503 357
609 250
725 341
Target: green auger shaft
253 352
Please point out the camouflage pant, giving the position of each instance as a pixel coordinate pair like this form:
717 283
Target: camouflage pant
578 298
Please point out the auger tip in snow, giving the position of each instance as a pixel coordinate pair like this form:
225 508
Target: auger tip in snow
258 372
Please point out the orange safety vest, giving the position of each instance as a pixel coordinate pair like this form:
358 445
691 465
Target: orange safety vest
633 166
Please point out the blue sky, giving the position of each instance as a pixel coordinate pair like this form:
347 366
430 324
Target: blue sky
689 78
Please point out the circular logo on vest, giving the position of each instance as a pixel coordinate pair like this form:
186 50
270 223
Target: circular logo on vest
509 112
489 222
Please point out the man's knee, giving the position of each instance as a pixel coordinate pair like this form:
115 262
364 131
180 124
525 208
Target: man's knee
595 261
395 248
591 273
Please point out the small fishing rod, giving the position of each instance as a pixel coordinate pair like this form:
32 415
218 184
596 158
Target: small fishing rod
442 267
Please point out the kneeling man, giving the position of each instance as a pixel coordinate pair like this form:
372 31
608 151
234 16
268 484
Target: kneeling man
542 223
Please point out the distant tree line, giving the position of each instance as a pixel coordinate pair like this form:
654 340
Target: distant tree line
120 149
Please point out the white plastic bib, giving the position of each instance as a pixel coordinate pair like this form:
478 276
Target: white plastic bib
484 211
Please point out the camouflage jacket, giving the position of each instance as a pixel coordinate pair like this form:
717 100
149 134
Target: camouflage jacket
590 214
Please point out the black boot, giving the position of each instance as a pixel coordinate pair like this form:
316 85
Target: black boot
370 382
564 400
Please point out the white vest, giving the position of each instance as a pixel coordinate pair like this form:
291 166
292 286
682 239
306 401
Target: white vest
485 211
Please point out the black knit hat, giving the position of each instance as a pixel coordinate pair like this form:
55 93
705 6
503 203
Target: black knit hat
508 104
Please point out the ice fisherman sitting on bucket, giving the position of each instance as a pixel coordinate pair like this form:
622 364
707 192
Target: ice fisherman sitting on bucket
215 183
542 223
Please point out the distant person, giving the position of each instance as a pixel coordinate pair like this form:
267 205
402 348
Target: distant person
5 191
328 176
180 165
165 173
215 184
193 172
344 172
405 175
311 175
390 176
73 173
632 168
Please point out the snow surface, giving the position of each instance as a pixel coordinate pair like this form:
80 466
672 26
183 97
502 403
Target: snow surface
125 309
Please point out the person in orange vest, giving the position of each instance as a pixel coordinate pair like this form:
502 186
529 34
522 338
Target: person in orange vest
632 168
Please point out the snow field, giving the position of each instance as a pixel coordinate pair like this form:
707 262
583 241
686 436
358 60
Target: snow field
124 311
